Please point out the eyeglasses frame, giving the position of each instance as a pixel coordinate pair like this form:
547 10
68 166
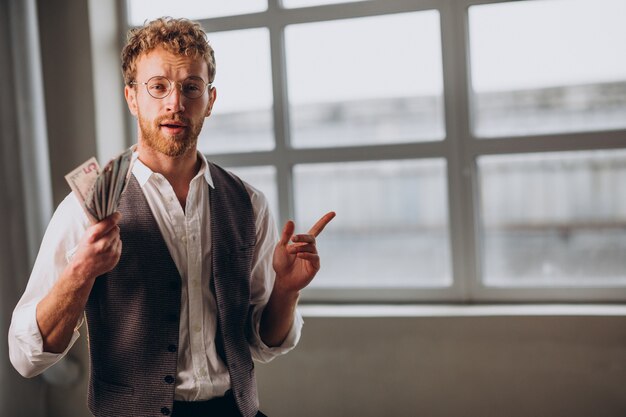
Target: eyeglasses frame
207 86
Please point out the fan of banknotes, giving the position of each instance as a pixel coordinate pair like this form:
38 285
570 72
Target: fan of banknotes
99 191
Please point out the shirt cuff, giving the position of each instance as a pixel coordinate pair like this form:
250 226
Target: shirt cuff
263 353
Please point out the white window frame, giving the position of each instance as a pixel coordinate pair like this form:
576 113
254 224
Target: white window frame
460 149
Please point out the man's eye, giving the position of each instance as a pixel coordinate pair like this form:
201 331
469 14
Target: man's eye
192 87
158 87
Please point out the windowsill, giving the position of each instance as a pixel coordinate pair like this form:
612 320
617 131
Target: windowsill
373 311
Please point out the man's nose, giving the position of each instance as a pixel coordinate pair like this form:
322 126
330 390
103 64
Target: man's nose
175 100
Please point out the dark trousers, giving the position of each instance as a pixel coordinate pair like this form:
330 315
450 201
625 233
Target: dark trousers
217 407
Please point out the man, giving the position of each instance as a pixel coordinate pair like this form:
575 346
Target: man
186 284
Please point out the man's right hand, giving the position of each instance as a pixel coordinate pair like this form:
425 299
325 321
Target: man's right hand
99 249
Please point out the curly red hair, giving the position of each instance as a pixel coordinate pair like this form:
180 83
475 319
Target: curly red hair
179 36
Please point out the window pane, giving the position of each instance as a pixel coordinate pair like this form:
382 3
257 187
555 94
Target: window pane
391 228
308 3
548 66
363 81
262 178
141 10
554 219
241 120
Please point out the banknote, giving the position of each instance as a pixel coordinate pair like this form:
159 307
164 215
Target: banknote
82 179
99 191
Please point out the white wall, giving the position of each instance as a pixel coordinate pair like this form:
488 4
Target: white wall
451 366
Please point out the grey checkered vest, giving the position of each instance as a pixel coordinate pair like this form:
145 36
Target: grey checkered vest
133 311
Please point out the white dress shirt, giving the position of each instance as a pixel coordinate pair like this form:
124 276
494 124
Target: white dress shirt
201 372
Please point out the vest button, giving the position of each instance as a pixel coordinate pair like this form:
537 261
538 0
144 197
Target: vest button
174 285
171 348
169 379
165 411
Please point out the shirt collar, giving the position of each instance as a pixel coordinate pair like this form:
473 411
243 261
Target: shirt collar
143 173
204 170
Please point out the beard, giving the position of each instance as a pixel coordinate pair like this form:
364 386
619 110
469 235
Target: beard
170 145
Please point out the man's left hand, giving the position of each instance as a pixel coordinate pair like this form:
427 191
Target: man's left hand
297 263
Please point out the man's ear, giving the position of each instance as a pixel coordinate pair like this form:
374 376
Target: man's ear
212 98
130 94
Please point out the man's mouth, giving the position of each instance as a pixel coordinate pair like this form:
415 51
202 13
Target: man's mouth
172 123
172 126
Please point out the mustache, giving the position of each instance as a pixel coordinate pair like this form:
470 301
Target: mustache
173 118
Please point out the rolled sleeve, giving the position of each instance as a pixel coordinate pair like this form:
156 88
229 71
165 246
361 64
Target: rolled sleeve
26 350
263 353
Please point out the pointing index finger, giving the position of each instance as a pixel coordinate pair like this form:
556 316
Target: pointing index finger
321 224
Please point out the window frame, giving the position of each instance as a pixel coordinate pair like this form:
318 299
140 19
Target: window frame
460 149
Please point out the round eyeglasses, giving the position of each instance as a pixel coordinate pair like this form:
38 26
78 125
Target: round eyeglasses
161 87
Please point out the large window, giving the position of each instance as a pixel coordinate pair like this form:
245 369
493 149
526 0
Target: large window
474 150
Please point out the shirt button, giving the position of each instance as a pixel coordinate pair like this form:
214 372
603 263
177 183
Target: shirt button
197 329
169 379
165 411
171 348
184 239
